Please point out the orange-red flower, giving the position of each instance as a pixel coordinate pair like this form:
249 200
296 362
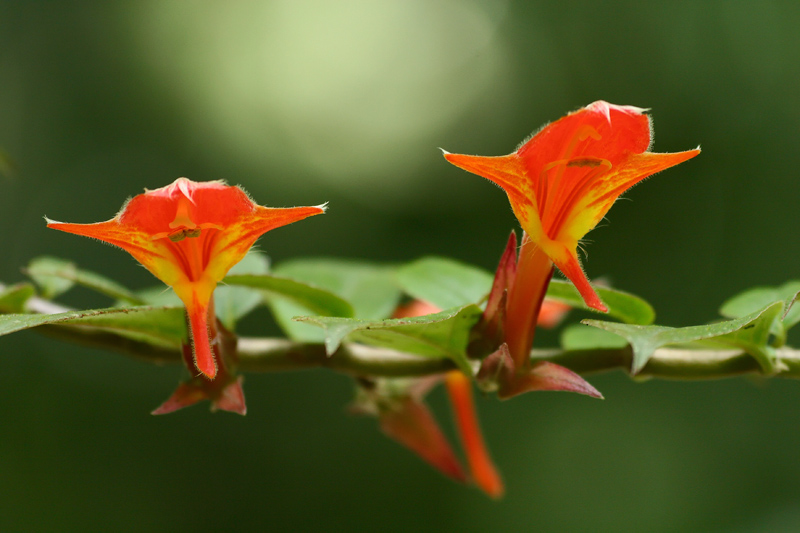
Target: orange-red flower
561 183
563 180
189 235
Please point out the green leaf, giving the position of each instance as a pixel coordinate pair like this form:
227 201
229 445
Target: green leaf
232 303
312 298
645 340
754 338
156 325
165 326
791 316
752 299
53 276
621 305
441 335
756 298
444 282
56 276
290 296
14 298
368 287
581 337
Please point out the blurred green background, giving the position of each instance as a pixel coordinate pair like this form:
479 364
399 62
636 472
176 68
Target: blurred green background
303 102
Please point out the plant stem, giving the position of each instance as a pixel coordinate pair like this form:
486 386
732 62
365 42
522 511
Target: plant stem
280 355
271 355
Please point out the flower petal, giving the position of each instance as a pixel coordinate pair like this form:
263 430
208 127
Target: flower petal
137 243
600 130
566 259
480 462
534 271
588 209
210 202
508 173
240 236
564 179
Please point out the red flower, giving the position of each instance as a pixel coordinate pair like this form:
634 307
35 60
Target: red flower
563 180
561 183
189 235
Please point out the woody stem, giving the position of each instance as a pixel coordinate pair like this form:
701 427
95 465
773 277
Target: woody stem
283 355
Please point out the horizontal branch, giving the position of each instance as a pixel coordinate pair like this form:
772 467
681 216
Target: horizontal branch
280 355
269 355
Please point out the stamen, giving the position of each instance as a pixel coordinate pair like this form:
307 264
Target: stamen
183 233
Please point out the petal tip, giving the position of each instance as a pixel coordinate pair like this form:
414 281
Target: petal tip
601 106
207 367
50 222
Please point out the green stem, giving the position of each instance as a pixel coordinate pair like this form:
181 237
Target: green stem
280 355
269 355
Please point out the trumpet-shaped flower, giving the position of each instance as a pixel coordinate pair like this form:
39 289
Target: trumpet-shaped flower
561 183
563 180
189 235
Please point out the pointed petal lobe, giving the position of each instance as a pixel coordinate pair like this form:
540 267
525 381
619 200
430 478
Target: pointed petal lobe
587 210
566 260
504 171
